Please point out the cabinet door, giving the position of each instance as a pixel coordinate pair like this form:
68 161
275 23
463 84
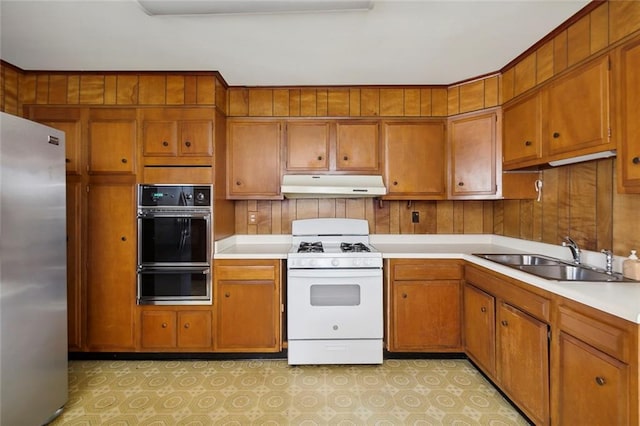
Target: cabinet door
160 138
522 131
524 361
246 315
414 160
628 122
593 387
253 160
357 146
158 329
577 109
74 265
112 141
111 267
196 138
308 145
426 315
473 154
194 329
479 328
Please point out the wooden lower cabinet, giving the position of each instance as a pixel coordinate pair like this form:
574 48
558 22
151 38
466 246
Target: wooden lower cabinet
479 328
171 329
506 334
248 304
424 305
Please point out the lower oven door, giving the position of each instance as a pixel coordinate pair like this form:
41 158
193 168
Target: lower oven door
334 304
174 286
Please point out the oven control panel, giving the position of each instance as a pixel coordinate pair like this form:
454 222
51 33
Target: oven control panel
174 196
334 262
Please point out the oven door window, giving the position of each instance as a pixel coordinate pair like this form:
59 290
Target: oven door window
335 295
174 239
174 285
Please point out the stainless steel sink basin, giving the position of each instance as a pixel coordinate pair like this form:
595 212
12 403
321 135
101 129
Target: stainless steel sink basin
551 268
521 259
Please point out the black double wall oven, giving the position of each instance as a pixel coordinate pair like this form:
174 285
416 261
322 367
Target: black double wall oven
174 244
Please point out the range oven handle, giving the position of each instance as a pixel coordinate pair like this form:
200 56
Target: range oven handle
335 273
172 270
174 214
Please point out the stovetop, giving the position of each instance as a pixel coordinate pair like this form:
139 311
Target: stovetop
343 247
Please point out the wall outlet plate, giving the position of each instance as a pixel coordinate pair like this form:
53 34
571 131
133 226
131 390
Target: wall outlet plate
415 217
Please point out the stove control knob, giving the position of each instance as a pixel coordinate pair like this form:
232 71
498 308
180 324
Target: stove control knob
335 262
368 262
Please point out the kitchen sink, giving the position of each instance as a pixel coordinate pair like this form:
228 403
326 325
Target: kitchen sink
551 268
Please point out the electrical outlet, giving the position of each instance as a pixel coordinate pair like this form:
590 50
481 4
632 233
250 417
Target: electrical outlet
253 218
415 217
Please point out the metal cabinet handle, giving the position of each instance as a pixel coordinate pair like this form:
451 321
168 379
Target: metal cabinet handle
404 295
124 161
187 325
164 325
345 158
165 143
123 238
600 381
636 160
395 182
504 323
483 309
238 183
319 157
227 294
460 183
187 143
528 143
556 135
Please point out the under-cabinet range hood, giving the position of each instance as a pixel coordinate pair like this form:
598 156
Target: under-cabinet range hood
332 186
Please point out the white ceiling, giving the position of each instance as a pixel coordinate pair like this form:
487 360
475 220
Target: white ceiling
397 42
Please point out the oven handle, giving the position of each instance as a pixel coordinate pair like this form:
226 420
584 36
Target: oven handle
180 214
172 270
335 273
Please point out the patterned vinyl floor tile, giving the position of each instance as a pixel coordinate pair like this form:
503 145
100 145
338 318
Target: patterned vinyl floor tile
270 392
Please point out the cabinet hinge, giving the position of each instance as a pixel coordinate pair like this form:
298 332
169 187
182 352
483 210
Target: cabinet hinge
282 307
609 132
87 188
549 335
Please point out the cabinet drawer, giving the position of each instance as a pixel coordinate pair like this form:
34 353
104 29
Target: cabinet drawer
249 272
608 338
426 270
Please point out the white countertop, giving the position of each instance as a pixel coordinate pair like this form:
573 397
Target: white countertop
618 298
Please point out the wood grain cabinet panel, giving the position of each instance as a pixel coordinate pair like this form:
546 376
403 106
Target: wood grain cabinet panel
522 132
479 328
307 146
112 141
175 330
253 159
357 146
415 159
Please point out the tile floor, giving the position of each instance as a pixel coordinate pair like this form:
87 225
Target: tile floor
269 392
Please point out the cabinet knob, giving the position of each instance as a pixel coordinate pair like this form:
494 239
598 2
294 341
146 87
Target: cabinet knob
66 160
636 160
123 238
165 143
319 157
238 183
404 295
227 294
345 158
187 325
504 323
395 182
164 325
483 309
460 183
527 143
556 135
124 161
600 381
187 143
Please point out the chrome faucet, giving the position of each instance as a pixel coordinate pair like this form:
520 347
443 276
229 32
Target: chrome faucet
573 246
609 255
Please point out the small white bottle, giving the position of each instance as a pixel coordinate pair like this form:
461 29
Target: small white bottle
631 266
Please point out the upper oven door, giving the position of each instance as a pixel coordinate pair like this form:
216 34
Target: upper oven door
174 238
334 304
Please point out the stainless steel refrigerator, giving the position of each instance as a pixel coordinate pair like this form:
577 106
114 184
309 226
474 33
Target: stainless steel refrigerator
33 289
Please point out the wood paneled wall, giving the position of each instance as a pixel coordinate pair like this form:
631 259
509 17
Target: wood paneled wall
386 217
601 28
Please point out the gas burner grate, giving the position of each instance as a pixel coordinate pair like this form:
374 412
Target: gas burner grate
353 247
313 247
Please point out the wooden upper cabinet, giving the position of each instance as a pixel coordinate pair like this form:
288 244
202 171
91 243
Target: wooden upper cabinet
177 136
473 154
414 158
253 159
576 108
627 90
112 141
357 146
332 145
522 132
69 120
308 146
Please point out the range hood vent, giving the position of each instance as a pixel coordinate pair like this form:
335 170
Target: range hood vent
332 186
581 158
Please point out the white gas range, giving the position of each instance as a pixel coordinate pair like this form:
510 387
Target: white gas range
334 294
